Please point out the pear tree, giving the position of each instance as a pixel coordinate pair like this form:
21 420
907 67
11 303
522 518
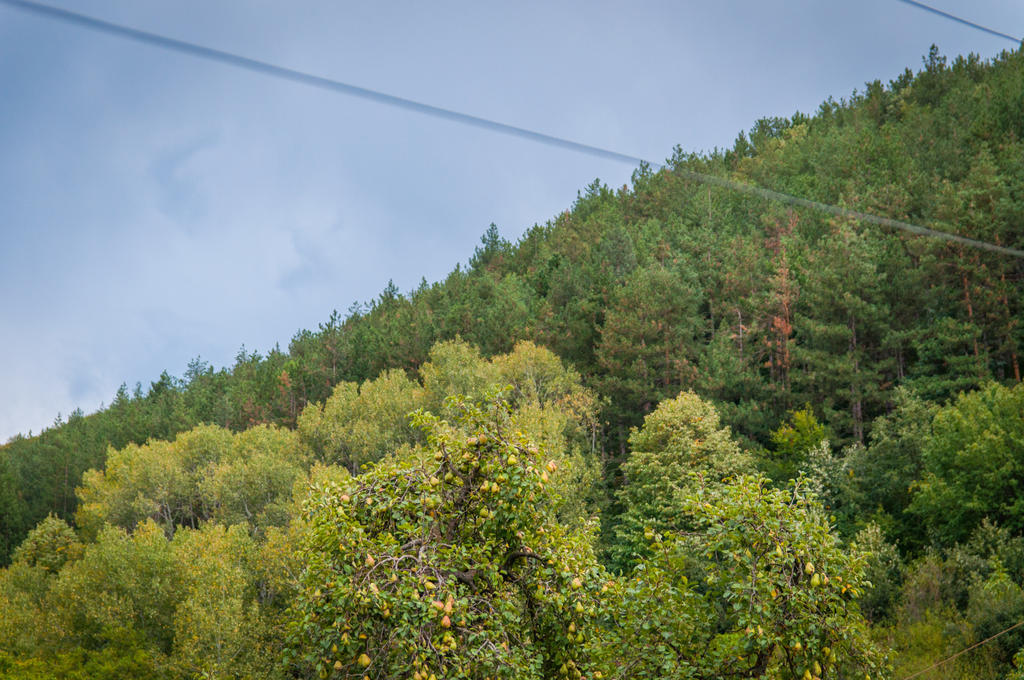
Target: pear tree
446 562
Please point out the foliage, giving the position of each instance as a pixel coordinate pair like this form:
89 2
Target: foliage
548 400
883 473
448 563
205 473
24 599
124 585
49 546
996 604
973 465
454 367
200 605
800 433
358 425
219 627
251 484
681 436
953 599
883 570
920 643
645 342
771 593
122 661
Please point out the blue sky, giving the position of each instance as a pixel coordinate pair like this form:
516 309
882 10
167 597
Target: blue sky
155 207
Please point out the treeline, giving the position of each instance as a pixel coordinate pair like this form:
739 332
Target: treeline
476 539
465 547
882 370
671 284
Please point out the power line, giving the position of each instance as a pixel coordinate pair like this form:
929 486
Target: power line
959 20
840 211
964 651
321 82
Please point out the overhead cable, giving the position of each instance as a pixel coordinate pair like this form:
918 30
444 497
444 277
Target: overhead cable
294 75
964 651
840 211
960 20
321 82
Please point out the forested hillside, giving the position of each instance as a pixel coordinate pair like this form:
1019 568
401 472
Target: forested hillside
658 339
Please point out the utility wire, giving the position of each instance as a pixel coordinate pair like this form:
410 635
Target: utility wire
321 82
964 651
959 20
269 69
846 212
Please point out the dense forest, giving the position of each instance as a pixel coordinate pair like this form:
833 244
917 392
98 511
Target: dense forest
675 432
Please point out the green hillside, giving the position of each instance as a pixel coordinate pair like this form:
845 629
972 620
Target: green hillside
658 339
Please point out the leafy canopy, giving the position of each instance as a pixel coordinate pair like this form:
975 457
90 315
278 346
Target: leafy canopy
448 562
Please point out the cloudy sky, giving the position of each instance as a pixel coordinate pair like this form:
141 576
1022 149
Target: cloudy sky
155 207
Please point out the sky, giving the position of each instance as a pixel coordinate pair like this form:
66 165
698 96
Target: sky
156 207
